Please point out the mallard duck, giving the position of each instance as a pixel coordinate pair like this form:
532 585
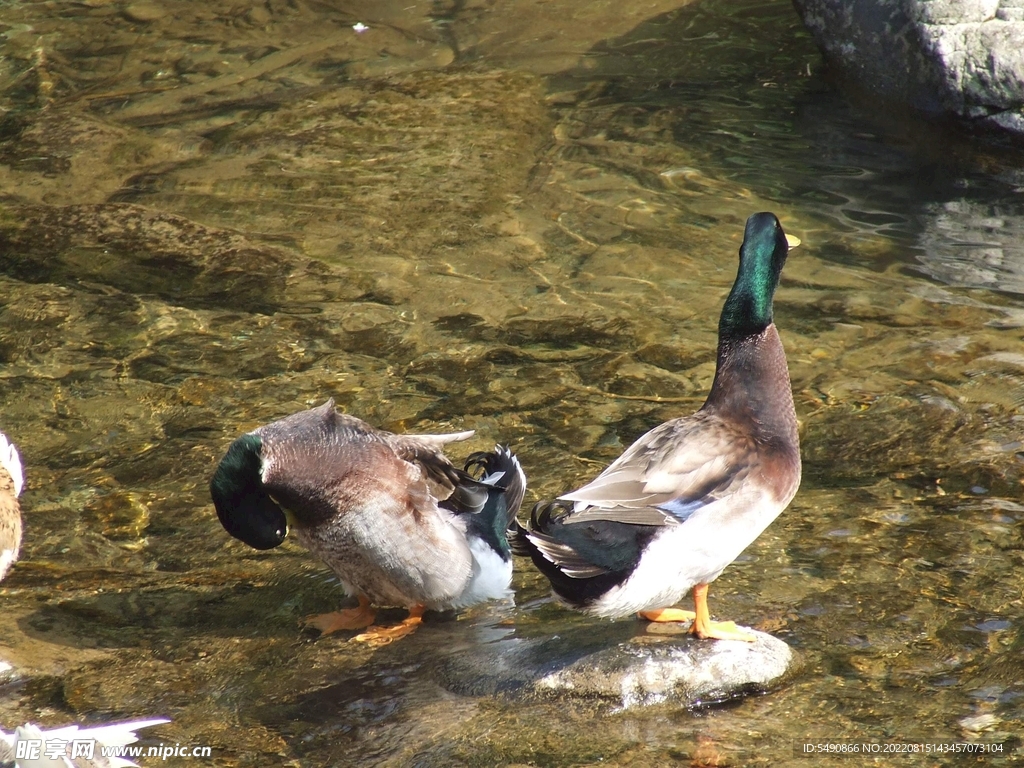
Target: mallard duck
11 482
389 514
70 746
689 496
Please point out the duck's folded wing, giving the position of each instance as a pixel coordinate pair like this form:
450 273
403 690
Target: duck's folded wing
442 477
668 474
582 551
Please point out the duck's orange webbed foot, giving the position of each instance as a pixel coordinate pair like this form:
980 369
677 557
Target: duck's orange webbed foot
721 630
706 629
385 635
359 617
667 614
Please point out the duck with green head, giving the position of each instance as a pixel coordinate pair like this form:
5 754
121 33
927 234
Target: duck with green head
689 496
389 514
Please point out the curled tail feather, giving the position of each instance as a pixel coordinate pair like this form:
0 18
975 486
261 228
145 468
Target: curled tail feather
501 470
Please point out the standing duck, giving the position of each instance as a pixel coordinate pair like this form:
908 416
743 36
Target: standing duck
11 482
389 514
689 496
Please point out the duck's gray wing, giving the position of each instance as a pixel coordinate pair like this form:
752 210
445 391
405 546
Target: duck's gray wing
668 474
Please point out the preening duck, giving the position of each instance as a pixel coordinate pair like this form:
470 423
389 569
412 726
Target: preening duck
389 514
682 502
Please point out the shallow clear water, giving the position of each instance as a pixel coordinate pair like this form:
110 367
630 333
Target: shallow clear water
497 217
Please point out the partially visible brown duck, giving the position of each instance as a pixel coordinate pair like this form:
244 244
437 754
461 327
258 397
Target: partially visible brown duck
689 496
11 482
389 514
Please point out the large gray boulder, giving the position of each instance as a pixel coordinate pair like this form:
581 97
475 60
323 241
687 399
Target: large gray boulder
964 57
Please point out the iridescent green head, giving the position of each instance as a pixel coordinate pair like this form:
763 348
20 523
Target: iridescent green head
748 310
245 508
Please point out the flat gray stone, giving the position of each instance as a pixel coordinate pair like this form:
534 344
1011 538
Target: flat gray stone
688 672
619 664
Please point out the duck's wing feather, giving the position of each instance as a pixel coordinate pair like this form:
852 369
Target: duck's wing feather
668 474
442 477
590 550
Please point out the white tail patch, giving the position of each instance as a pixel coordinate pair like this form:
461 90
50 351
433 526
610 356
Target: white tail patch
490 579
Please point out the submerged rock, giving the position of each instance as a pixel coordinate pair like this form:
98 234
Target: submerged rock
631 672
